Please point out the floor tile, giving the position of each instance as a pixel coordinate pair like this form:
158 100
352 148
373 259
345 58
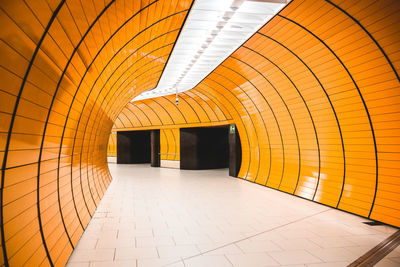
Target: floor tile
248 246
157 216
211 260
214 249
89 255
252 260
332 242
329 264
335 254
78 264
154 241
387 263
131 263
177 251
115 242
159 262
177 264
294 257
395 259
295 244
135 253
87 243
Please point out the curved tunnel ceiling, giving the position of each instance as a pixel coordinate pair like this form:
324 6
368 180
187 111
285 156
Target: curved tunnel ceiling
314 95
212 31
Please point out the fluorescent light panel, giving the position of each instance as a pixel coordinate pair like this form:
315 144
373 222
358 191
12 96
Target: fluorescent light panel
212 31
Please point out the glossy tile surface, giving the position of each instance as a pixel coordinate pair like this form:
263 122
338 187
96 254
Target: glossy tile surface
315 98
67 68
314 95
167 217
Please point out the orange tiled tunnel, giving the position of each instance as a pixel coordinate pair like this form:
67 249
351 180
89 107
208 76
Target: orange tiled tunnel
314 95
67 69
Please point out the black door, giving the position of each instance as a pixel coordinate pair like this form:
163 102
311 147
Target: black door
133 147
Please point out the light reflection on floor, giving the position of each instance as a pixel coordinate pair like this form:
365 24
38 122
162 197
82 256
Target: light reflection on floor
167 217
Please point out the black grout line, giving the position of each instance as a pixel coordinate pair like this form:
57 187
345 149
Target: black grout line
362 99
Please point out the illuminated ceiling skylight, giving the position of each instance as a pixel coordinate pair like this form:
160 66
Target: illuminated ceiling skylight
212 31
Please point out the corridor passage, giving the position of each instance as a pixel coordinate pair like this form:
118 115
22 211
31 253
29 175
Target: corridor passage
169 217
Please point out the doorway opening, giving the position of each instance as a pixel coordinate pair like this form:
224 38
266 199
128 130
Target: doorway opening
210 148
134 147
199 148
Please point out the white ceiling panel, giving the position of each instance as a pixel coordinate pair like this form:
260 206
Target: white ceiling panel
213 30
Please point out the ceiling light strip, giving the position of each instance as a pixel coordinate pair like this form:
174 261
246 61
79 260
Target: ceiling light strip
213 30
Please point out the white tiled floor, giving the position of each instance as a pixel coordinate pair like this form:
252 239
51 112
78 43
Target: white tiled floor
167 217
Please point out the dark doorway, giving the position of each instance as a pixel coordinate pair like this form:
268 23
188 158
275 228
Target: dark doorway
135 147
204 148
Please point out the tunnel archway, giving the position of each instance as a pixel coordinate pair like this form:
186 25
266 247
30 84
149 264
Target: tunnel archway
314 95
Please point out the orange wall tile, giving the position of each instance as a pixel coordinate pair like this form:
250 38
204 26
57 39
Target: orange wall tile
67 68
315 97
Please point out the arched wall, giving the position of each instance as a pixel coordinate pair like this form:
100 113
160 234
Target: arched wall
314 94
67 68
316 100
194 108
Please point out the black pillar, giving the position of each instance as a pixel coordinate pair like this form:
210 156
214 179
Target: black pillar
235 151
188 148
155 148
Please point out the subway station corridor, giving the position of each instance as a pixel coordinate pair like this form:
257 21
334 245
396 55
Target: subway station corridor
168 217
199 133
